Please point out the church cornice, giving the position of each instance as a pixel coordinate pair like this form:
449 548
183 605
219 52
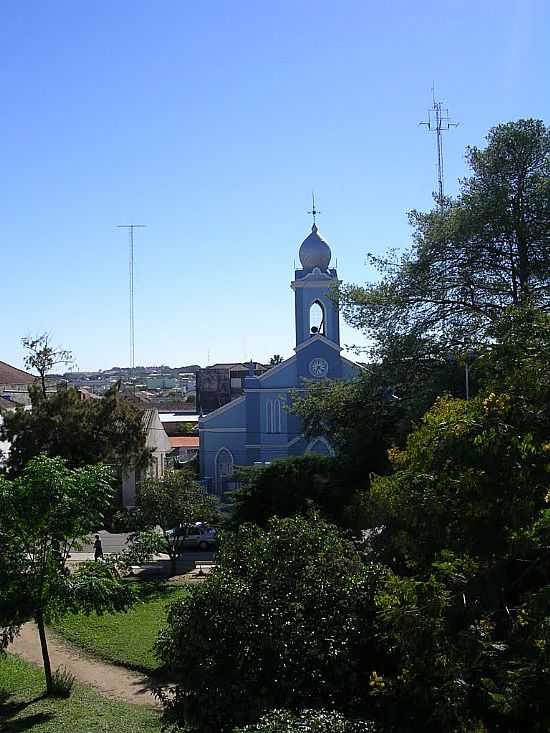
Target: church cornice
276 369
314 279
313 339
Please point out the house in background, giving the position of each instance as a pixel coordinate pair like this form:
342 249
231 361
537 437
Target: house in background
220 383
185 448
179 422
158 443
257 427
15 383
5 406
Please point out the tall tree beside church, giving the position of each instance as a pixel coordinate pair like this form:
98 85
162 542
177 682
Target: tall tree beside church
482 252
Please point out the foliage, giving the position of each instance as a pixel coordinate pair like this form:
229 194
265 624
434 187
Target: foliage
471 259
44 514
291 486
126 638
472 476
466 531
518 362
62 682
42 356
307 721
276 359
81 431
374 412
284 620
24 707
165 504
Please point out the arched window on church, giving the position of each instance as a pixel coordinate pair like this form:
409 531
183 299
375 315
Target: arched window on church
224 469
316 318
274 416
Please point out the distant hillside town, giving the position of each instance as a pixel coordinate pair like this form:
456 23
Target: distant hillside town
191 387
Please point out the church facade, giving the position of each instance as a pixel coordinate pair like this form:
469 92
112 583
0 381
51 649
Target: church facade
257 427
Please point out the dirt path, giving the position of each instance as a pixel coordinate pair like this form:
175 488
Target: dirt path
110 680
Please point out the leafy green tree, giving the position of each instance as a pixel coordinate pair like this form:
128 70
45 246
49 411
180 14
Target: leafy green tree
471 477
285 619
83 432
377 410
42 357
165 504
290 486
466 530
45 513
482 252
307 721
518 362
276 359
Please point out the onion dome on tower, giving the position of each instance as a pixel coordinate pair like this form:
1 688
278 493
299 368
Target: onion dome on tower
314 251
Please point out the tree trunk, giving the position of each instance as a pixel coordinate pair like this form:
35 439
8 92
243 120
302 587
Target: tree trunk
173 559
39 618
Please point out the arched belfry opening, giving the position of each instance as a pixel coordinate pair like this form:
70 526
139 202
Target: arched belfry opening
317 318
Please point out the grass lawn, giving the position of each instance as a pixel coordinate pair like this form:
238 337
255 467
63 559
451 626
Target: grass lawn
23 707
124 638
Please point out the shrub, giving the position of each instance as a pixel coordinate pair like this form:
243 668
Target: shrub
286 619
62 682
307 721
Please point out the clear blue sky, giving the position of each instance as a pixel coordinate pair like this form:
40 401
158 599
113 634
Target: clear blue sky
211 123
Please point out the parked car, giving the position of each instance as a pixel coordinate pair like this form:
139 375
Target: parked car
195 536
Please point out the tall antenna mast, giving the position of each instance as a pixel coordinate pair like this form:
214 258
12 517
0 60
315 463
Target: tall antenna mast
439 122
131 228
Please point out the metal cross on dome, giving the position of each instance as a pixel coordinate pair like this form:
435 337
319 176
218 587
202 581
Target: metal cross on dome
313 211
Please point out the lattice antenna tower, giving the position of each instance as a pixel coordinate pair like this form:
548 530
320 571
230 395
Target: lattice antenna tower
439 122
131 228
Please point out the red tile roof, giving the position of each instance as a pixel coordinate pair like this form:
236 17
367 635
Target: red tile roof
11 375
184 441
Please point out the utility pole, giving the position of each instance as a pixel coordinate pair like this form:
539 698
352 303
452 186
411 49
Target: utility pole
439 122
131 228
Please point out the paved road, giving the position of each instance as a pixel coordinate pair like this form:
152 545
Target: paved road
116 543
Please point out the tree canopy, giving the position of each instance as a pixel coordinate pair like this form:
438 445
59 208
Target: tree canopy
482 252
45 513
291 486
81 431
282 621
166 504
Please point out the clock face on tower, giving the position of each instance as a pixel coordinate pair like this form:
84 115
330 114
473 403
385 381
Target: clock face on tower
318 367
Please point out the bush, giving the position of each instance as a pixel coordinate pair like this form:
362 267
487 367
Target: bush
62 683
286 619
307 721
290 486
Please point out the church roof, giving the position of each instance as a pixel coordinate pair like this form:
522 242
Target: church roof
314 251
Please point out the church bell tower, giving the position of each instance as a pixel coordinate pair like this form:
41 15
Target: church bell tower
314 286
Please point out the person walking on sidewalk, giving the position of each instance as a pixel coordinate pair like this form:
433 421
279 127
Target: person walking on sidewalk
98 548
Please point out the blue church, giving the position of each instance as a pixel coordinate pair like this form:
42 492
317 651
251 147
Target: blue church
257 427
